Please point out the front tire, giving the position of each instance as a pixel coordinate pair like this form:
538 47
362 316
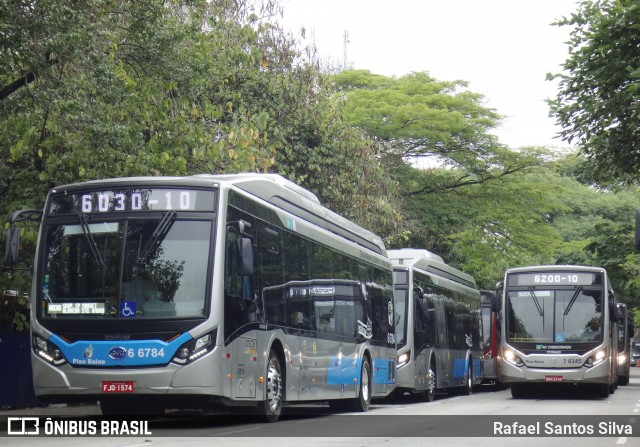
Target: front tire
518 390
271 407
603 390
430 392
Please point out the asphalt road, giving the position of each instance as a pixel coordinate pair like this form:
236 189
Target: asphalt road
488 417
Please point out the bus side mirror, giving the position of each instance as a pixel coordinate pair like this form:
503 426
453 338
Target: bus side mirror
11 248
497 297
245 257
495 303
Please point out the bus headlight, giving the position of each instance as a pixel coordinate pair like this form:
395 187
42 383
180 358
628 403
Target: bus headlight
622 358
597 358
194 349
403 359
48 351
512 358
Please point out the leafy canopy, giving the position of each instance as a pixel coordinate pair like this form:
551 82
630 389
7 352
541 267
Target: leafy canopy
597 103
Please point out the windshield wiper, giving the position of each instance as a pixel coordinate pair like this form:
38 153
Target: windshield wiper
90 240
572 300
536 302
159 233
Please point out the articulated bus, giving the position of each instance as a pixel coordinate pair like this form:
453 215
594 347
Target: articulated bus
189 292
491 337
559 325
438 325
625 333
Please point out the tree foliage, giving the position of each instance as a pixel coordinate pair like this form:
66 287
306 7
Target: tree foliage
597 103
482 206
92 90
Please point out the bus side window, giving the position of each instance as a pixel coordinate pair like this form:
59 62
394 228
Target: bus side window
297 253
275 305
270 262
302 315
324 309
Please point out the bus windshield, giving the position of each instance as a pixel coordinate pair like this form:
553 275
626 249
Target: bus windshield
554 316
127 268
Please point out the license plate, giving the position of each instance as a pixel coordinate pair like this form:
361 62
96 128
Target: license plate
553 378
118 387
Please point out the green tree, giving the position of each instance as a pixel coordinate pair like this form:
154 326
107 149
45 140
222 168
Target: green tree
599 88
417 116
91 90
475 206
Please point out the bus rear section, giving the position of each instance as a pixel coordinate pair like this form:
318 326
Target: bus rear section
559 325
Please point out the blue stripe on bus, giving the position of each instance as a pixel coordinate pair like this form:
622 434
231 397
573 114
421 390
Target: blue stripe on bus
99 353
460 367
348 373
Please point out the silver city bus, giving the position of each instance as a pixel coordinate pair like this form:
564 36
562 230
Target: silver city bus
188 292
438 325
559 325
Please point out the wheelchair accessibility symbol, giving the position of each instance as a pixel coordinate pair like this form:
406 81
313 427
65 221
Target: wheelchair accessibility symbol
128 309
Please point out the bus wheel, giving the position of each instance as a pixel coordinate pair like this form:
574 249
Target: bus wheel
467 390
271 407
363 401
430 392
518 390
602 390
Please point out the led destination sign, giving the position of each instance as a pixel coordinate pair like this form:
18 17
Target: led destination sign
76 308
133 199
553 278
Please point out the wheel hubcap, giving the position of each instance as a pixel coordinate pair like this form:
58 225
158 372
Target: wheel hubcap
432 381
274 387
365 385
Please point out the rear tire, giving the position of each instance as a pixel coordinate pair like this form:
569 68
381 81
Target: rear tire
467 389
363 401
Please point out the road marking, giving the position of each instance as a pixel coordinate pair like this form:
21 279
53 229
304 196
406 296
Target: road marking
237 431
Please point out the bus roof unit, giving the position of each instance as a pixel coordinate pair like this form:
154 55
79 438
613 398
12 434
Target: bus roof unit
429 262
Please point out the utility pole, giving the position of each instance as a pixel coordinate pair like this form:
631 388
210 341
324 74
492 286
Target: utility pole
345 42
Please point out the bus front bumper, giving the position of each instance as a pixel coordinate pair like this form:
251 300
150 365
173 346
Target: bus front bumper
596 374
